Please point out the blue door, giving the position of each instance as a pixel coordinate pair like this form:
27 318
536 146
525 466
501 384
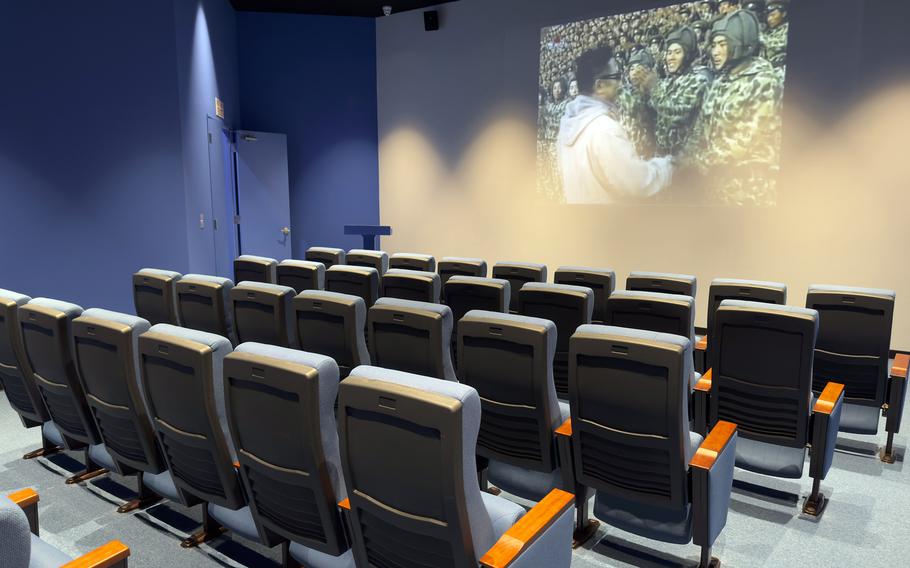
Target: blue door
262 194
221 176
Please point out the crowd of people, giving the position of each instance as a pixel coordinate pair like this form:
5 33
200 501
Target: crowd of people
686 100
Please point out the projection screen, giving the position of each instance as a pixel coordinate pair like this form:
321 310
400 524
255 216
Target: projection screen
679 105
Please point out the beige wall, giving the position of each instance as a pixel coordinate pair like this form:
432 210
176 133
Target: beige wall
457 177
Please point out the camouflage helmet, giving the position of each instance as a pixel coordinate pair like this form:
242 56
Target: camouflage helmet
688 39
642 57
742 31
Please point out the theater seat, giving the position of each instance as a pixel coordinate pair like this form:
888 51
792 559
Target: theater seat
354 280
301 275
263 313
369 258
566 306
735 289
854 340
251 268
601 280
47 335
155 295
413 261
107 360
17 379
466 293
450 266
21 546
761 379
328 256
280 407
205 304
332 324
663 282
408 454
416 285
629 440
652 311
509 360
518 274
411 336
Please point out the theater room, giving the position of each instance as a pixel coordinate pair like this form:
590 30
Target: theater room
321 284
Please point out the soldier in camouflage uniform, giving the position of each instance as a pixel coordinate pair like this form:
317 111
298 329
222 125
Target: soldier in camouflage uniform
774 43
736 141
549 179
635 115
677 98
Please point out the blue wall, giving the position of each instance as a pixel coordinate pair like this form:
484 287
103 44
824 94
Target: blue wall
314 79
90 152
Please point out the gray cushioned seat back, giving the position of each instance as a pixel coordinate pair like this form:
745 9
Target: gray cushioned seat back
205 304
413 261
664 282
154 295
48 339
411 336
355 280
761 361
181 372
263 313
301 274
280 405
252 268
601 280
107 358
628 390
15 370
408 452
854 340
14 535
420 286
450 266
750 290
377 259
566 306
466 293
328 256
509 360
332 324
652 311
518 274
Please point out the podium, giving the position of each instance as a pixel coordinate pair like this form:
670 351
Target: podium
369 233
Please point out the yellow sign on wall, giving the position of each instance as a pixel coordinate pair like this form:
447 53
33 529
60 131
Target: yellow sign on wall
219 108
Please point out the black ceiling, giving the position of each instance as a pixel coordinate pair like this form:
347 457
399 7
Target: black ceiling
370 8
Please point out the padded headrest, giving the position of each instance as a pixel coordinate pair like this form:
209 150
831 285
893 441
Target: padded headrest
275 289
559 288
19 299
466 394
220 345
464 260
311 264
363 270
159 273
325 365
135 323
663 275
328 250
793 311
257 259
480 281
421 274
528 265
834 289
653 296
414 255
513 319
360 307
381 255
440 309
629 334
226 282
590 270
779 286
71 310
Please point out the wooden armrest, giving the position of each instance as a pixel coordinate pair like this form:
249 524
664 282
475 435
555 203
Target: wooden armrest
236 465
520 535
828 398
899 368
106 555
714 444
24 498
565 429
346 505
704 383
702 344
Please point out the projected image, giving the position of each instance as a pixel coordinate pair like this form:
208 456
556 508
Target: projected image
675 105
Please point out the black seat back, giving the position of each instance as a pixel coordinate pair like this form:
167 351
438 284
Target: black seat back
450 266
749 290
416 285
332 324
205 304
601 280
761 361
652 311
412 261
518 274
411 336
368 258
15 371
251 268
662 282
509 360
329 257
262 313
301 275
154 295
354 280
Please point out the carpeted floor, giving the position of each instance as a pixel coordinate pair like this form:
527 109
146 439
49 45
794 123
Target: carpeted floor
864 524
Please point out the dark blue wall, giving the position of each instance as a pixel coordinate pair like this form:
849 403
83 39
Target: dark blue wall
314 79
91 180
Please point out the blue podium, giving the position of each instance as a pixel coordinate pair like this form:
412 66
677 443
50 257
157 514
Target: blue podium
369 233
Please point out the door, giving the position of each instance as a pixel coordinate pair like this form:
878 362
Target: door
223 195
262 194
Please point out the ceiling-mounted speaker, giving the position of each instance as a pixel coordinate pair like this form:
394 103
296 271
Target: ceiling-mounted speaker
431 20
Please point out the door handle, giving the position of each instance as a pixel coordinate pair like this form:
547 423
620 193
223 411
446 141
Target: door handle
285 231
